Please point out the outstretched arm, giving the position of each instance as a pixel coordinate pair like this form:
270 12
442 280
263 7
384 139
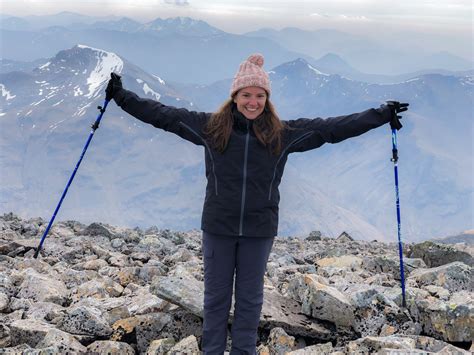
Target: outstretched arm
186 124
318 131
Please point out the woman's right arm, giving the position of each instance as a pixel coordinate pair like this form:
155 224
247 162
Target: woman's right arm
186 124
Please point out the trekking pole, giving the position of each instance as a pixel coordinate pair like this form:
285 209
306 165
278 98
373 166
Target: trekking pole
95 125
400 246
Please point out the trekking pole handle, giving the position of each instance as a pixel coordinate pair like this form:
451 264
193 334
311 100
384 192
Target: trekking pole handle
394 146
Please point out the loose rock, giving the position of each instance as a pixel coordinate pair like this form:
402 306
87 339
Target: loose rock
454 277
28 331
110 348
452 321
4 301
62 342
313 349
188 345
85 321
42 288
437 254
327 303
279 342
160 346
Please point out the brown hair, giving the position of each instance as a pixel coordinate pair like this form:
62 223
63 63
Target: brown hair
267 128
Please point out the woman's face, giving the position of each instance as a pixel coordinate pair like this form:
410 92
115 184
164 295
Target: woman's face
251 101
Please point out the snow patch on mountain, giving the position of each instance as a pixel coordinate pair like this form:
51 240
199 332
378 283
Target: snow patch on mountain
37 103
107 62
317 71
44 66
162 82
55 125
6 93
402 82
467 80
410 80
77 91
147 90
82 109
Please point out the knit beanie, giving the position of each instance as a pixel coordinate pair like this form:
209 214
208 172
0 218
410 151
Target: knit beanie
251 73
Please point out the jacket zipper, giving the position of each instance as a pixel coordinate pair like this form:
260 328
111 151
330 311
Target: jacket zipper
208 149
244 183
297 140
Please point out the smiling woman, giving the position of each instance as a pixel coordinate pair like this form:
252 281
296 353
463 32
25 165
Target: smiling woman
246 147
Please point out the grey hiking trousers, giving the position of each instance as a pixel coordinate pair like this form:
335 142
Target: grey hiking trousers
246 258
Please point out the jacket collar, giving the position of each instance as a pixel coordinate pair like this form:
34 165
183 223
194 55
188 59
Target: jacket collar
241 122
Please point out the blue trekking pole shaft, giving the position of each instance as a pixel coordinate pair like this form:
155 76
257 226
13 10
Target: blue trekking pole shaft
400 246
94 127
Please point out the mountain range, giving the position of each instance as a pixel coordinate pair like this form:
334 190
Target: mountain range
367 55
156 44
136 175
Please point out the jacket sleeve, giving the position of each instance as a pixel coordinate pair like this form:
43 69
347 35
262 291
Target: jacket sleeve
188 125
306 134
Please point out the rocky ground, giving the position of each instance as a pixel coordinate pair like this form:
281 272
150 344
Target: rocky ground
100 289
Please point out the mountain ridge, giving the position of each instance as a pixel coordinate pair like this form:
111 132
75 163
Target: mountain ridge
283 45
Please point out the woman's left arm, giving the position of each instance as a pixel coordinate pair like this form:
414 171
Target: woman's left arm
312 133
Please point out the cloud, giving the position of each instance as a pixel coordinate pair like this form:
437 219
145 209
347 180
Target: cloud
355 18
177 2
315 14
340 17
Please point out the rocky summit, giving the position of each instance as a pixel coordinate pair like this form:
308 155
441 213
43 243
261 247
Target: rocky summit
102 289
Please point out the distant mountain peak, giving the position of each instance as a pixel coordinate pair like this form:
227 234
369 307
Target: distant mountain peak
298 65
125 19
334 63
62 13
98 50
300 60
125 24
182 25
83 60
183 20
332 57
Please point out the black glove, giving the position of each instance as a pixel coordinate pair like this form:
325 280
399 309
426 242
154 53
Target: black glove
114 85
395 108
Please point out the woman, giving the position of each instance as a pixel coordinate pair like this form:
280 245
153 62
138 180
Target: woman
246 148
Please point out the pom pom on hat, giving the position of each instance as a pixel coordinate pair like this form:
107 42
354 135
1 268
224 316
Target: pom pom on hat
251 73
256 59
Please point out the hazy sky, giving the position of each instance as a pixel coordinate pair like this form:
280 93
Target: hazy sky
440 24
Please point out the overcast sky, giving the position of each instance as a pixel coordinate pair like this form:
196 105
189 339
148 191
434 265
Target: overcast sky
439 24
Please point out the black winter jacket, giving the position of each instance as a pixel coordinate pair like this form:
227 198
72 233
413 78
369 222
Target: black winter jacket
242 193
